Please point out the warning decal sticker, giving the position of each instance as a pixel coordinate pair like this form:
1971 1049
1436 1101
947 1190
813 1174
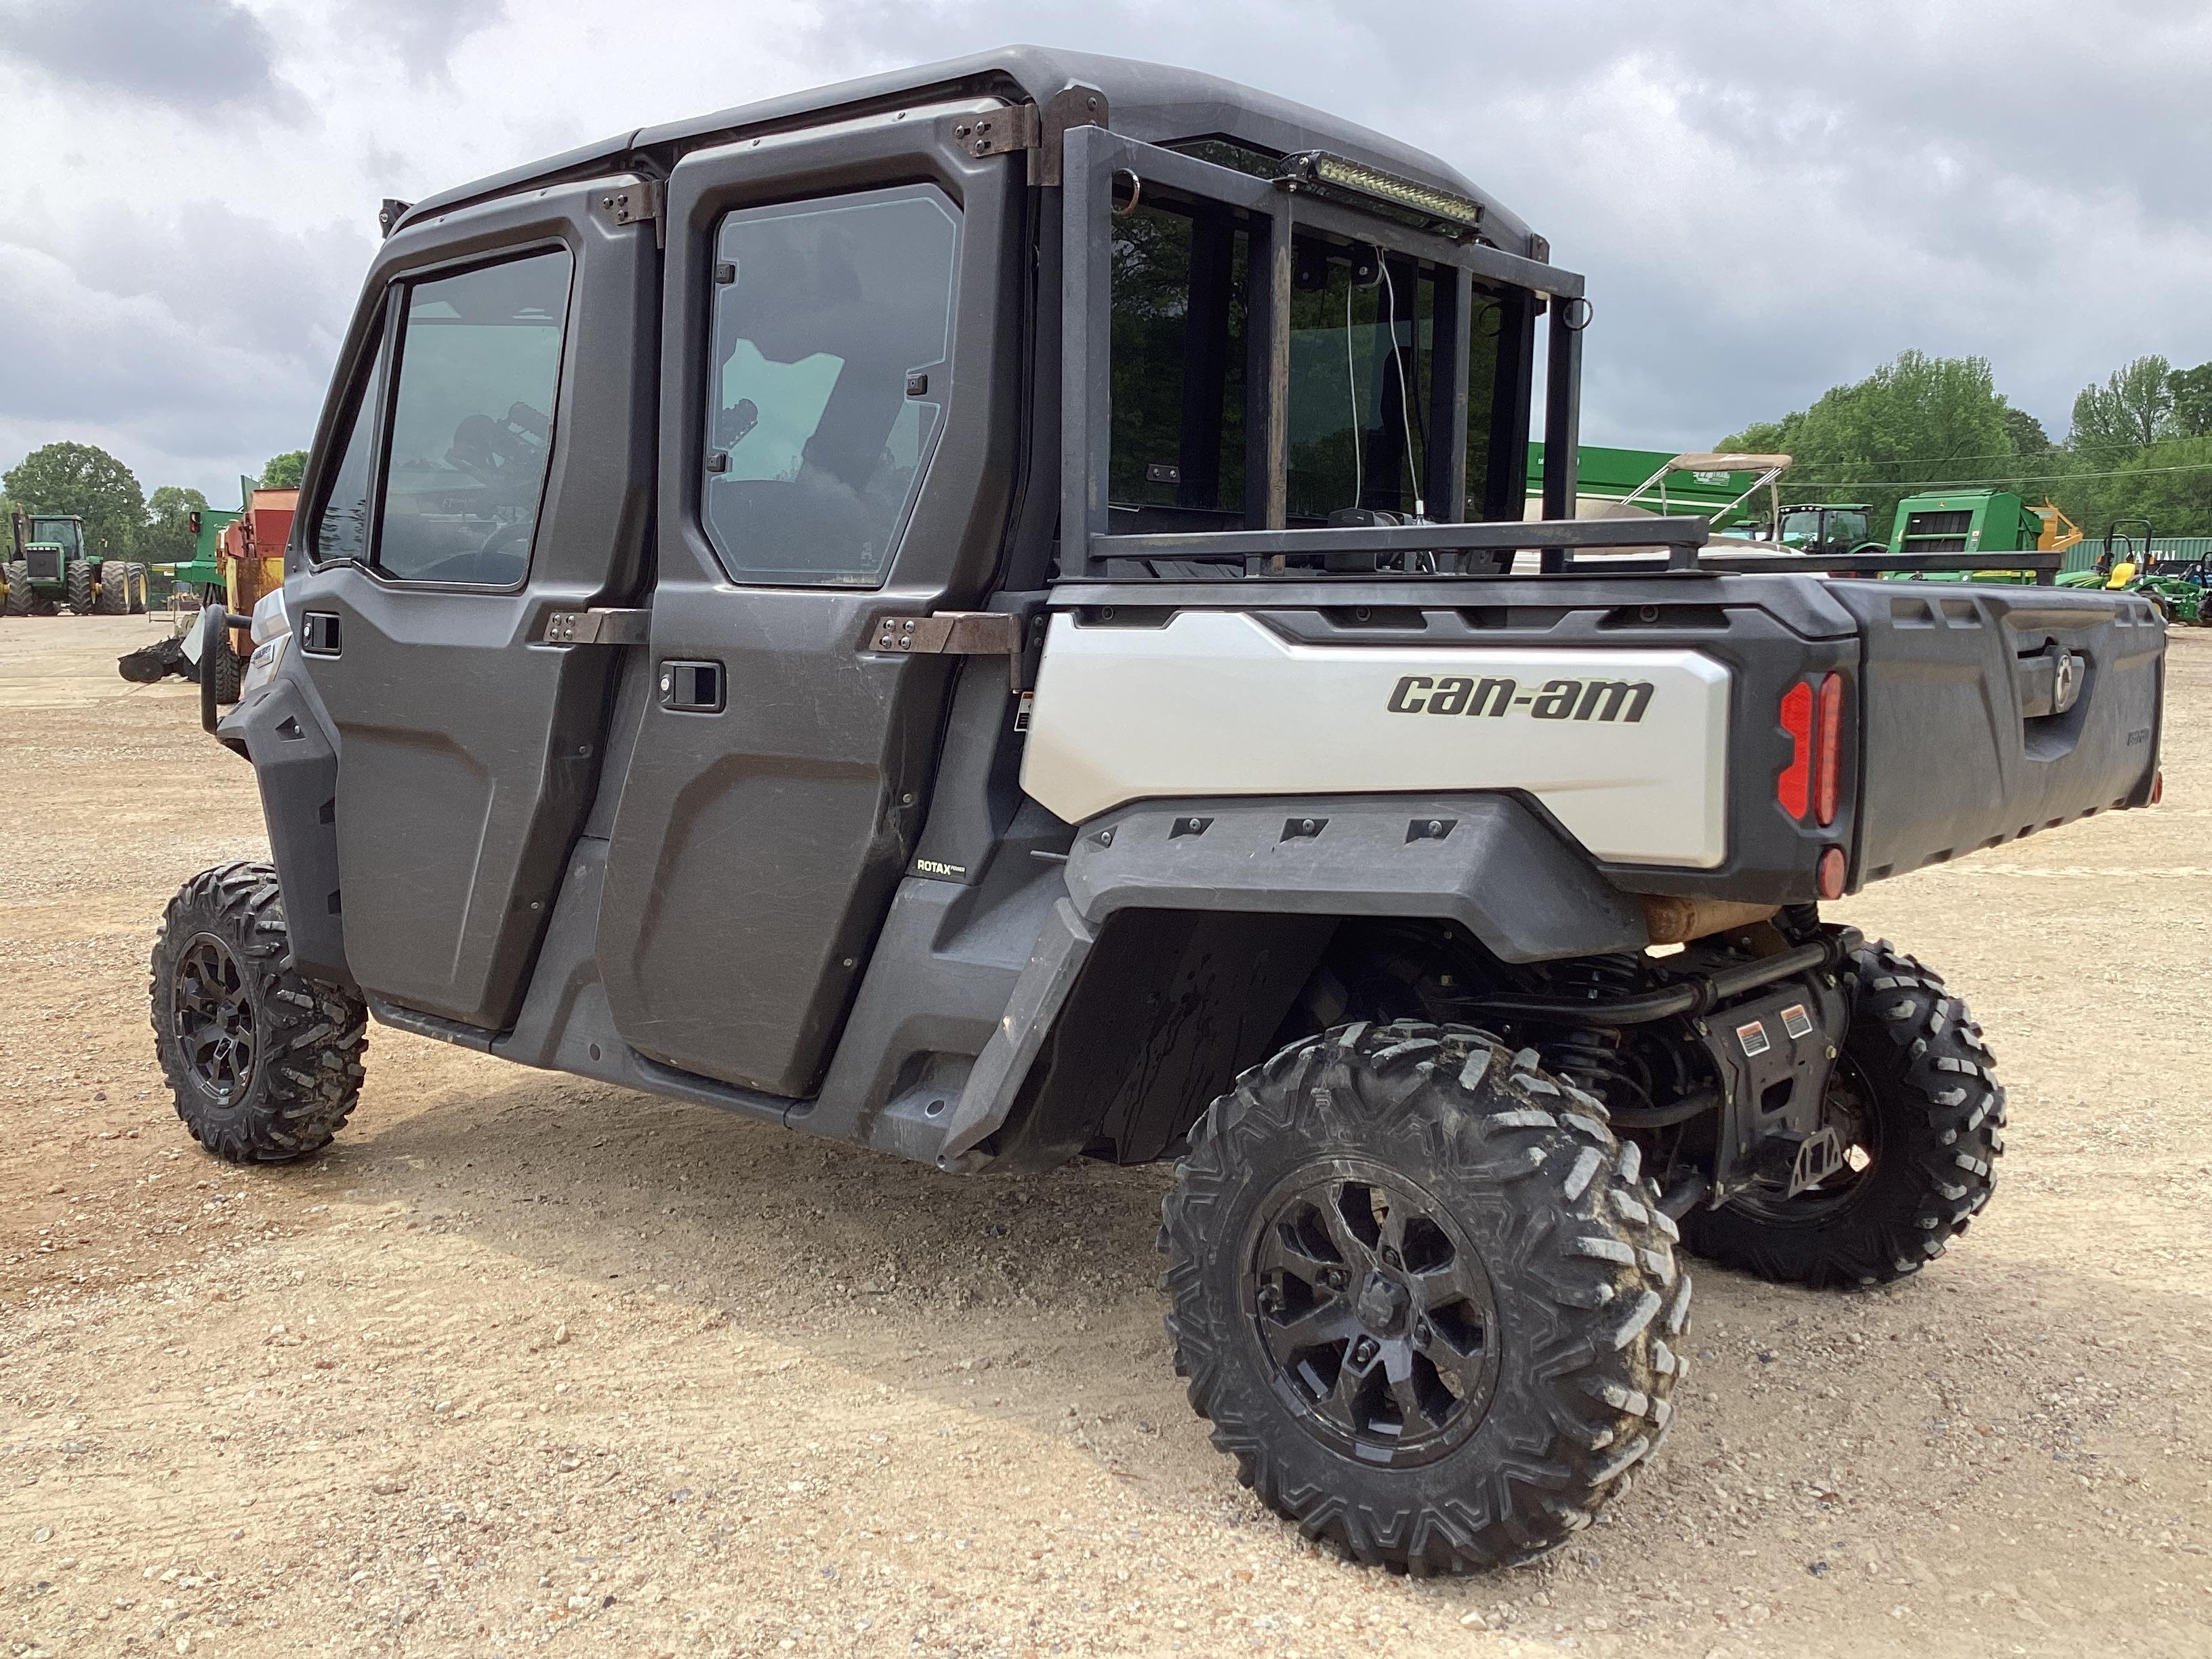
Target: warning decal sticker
1796 1021
1753 1038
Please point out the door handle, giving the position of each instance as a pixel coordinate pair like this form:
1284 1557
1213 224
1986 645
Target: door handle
691 687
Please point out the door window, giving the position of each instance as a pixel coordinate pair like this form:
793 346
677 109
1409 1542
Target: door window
473 422
831 345
341 531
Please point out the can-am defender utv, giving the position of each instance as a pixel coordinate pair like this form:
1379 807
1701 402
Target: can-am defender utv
983 612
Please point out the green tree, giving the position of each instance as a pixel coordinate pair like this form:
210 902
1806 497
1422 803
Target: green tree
2134 408
86 482
2029 439
166 537
1917 420
2191 390
283 470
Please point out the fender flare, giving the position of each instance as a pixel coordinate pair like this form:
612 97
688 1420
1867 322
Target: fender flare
1490 862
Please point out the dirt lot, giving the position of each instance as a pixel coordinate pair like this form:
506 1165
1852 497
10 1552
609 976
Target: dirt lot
527 1363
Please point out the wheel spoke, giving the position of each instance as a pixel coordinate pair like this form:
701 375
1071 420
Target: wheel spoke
1286 1248
1353 1249
1457 1280
1333 1321
1414 1415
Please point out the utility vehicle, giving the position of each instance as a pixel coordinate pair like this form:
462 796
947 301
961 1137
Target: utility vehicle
973 612
49 566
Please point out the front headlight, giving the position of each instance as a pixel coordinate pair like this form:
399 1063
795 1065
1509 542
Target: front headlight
261 666
270 620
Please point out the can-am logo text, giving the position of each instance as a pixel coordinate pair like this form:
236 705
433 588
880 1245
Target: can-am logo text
1494 696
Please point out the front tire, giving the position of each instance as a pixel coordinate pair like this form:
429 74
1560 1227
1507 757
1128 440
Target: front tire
77 589
219 661
1422 1294
1922 1092
265 1064
22 601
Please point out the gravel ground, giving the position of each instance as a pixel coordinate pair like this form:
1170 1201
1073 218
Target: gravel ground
527 1363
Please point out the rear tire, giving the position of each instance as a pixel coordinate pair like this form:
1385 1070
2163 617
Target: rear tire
264 1065
1934 1113
115 598
1421 1292
20 599
139 579
76 587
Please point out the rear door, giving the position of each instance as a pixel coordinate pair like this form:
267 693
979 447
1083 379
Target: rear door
484 464
843 321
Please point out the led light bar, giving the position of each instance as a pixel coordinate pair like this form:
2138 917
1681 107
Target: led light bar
1313 167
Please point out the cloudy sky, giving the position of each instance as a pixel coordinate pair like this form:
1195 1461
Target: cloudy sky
1767 199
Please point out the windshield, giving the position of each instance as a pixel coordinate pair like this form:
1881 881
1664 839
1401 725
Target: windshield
1827 527
64 531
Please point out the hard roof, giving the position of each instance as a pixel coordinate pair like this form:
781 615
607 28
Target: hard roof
1152 102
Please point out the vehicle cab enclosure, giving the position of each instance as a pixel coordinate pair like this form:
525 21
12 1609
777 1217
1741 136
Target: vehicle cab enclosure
956 610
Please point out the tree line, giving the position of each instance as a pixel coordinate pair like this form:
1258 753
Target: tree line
2139 446
121 521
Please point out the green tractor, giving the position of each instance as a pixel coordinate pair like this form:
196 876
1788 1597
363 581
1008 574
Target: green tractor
49 566
1824 527
2176 587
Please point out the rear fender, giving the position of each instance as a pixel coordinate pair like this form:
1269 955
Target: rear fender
1230 903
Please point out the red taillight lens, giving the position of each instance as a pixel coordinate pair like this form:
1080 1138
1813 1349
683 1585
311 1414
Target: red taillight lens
1828 751
2158 786
1792 786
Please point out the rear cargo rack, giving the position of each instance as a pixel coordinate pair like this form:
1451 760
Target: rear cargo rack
1565 547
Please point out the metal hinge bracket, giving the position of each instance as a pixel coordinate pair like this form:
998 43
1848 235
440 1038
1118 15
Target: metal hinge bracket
1073 106
632 204
598 626
1001 132
956 634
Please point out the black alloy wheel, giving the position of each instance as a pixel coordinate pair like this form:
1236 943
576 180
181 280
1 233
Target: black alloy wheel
212 1016
1375 1314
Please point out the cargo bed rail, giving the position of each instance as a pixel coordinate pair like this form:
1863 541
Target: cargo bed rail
1565 547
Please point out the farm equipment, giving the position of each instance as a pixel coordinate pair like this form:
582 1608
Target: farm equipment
240 558
2129 563
796 614
51 567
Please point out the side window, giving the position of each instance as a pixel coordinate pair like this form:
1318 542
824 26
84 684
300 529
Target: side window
831 343
342 532
473 422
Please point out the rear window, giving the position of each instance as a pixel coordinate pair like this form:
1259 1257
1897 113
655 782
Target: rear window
1362 374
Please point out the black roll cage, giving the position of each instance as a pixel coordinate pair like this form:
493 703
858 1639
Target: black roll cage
1271 210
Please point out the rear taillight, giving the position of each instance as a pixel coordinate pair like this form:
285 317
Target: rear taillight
1828 749
1792 786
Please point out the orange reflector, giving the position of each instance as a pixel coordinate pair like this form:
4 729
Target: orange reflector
1792 786
2158 786
1828 750
1830 873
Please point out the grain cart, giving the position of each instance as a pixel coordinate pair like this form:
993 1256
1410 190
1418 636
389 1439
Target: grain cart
973 612
50 567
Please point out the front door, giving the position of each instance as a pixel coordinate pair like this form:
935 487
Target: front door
485 464
839 424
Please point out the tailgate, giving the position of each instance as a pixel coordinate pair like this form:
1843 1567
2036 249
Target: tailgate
1961 745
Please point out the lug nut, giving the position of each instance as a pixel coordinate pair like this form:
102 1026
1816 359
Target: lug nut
1363 1353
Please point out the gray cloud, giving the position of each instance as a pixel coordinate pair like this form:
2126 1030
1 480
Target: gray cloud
422 34
194 56
1765 202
